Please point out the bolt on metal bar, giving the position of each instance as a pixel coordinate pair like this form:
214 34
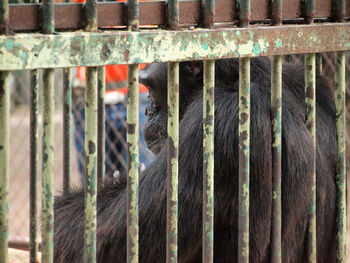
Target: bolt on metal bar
244 160
67 129
4 162
34 158
91 164
133 143
47 212
341 161
208 161
244 143
172 162
101 125
276 117
47 166
173 143
133 163
310 100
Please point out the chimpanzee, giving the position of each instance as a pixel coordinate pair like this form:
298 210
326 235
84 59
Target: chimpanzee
297 163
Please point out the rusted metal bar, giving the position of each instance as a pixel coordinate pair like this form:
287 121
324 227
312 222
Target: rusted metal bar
172 161
70 16
173 14
96 49
244 160
91 15
173 142
4 162
208 13
67 129
310 100
208 161
47 166
4 17
244 143
133 143
276 117
34 158
319 62
101 125
133 163
244 12
341 162
339 10
47 212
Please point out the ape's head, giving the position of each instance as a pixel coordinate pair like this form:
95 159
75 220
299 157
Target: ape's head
154 76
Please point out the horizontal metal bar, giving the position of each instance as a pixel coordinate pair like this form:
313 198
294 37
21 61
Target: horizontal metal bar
28 51
69 16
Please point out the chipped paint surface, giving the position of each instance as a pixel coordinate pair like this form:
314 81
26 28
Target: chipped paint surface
341 162
4 162
91 165
310 115
132 139
208 161
244 160
26 51
276 116
172 161
101 125
47 212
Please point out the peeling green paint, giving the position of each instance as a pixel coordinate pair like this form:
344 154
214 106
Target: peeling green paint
208 161
47 166
27 51
4 162
172 161
341 161
310 100
276 117
279 43
244 159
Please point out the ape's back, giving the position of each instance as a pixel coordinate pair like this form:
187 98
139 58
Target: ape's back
296 184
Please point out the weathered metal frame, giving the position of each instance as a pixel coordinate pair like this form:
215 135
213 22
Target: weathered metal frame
96 49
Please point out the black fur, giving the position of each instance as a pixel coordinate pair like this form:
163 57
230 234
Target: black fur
296 167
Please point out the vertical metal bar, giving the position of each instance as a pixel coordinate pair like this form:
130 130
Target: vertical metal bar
244 143
208 143
91 164
101 125
67 129
4 141
173 143
91 107
208 161
47 166
133 144
172 161
339 10
133 160
244 12
34 158
244 159
4 162
47 212
310 99
276 116
341 161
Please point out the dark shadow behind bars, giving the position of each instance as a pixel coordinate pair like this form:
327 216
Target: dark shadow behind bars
34 51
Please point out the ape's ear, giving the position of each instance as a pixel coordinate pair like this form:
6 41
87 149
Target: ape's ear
194 69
